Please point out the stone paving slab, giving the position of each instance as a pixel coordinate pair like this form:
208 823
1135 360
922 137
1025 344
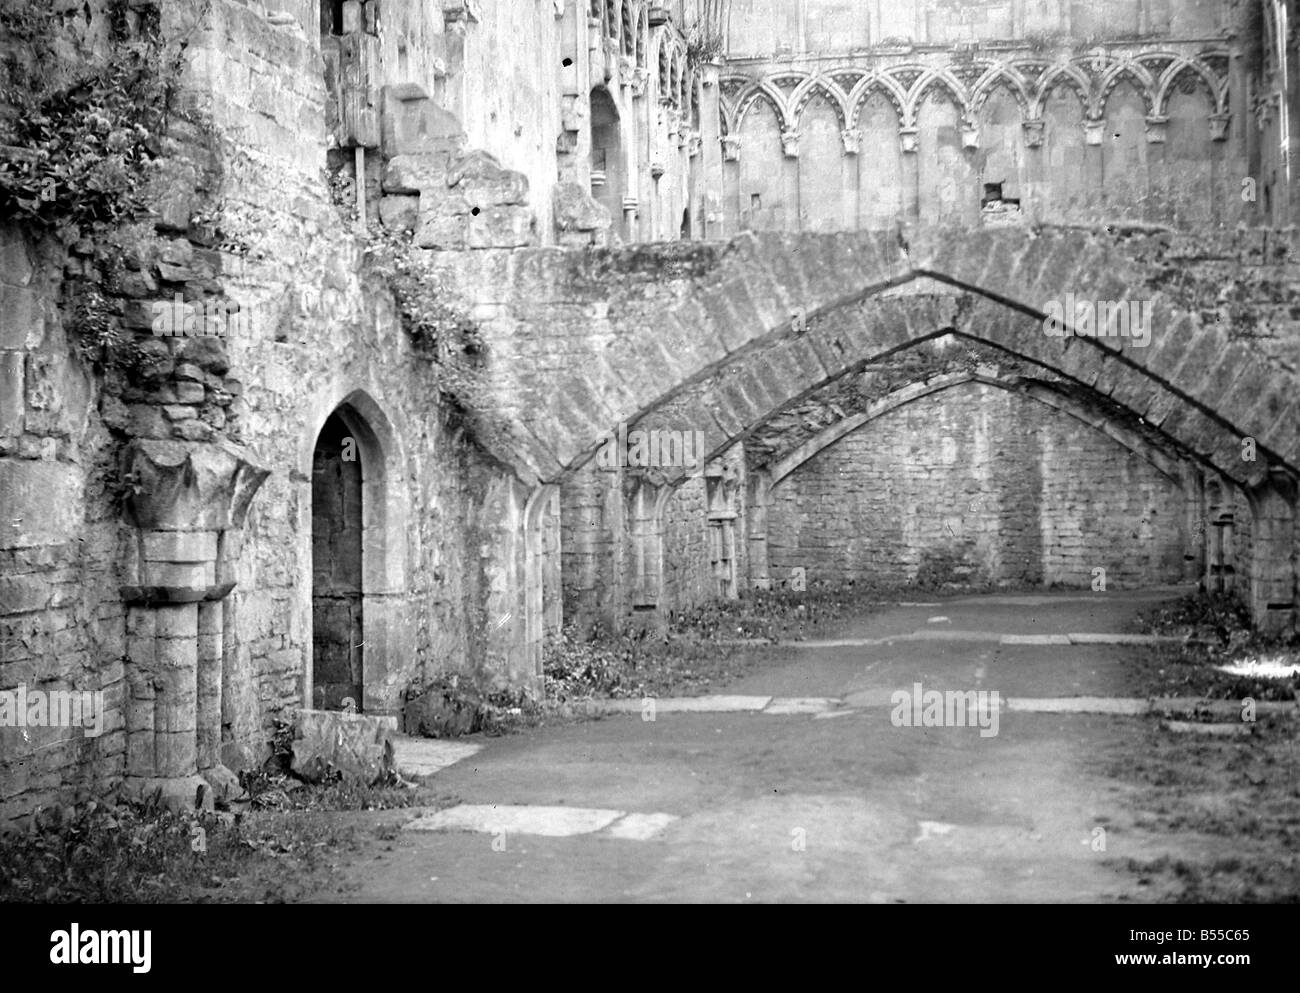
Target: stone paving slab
820 707
718 704
802 705
939 634
552 822
548 821
1078 705
1121 639
640 827
425 756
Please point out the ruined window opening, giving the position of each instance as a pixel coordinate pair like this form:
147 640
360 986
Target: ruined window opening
994 200
331 17
607 180
567 63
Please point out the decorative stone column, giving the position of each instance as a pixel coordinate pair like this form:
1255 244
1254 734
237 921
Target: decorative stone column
186 500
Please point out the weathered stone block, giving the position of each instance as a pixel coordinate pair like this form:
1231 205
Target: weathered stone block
576 210
42 503
356 746
480 179
441 230
412 123
11 393
416 173
21 310
24 594
15 258
400 213
501 227
180 575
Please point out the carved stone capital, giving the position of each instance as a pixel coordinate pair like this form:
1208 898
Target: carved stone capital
186 486
1157 129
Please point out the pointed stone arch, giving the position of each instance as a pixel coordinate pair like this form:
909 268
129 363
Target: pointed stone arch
382 577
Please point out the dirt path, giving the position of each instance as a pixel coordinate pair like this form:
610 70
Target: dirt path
843 805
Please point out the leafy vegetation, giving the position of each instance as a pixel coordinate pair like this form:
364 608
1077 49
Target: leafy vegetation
438 323
1216 630
122 850
84 104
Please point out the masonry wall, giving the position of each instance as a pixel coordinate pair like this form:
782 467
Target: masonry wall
842 116
763 27
978 485
246 221
62 623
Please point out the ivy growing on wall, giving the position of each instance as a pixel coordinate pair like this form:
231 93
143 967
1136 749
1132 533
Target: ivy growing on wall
84 103
438 323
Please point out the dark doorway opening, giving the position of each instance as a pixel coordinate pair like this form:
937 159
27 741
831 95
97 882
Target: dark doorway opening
336 544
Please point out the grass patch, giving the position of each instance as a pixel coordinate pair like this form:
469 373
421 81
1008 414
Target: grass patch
279 844
1228 810
1216 631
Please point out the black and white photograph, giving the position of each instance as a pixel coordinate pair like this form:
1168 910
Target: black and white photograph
651 452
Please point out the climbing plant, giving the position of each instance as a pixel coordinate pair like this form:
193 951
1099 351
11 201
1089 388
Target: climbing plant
84 103
438 323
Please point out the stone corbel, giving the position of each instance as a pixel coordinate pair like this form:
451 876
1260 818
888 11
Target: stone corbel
693 144
970 135
790 143
1033 132
186 486
731 148
626 69
1219 126
1094 129
1157 129
908 137
637 84
852 139
572 116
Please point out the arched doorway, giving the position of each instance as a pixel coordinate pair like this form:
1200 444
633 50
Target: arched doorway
337 529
